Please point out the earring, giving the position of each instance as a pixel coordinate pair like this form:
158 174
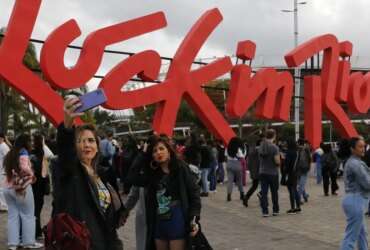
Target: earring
153 165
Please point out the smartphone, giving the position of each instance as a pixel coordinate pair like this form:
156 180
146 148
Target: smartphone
91 100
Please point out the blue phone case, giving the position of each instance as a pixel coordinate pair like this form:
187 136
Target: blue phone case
91 100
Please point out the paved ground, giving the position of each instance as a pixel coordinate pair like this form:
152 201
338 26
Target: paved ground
230 226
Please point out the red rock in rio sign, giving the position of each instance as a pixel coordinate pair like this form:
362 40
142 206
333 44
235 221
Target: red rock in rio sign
271 90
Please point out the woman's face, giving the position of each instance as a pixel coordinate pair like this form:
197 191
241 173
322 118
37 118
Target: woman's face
87 146
161 153
359 149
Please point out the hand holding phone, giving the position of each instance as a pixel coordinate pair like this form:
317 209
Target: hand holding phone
91 100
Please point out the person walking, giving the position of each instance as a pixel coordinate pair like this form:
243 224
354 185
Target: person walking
107 170
205 165
330 165
221 159
318 166
213 170
357 194
290 172
19 196
303 167
253 166
269 173
234 153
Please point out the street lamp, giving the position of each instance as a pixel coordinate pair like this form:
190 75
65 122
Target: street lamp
297 72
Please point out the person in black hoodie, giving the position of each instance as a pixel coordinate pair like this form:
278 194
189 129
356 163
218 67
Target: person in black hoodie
172 196
330 163
82 193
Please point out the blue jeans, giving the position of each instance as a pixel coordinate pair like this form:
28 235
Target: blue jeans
318 173
21 213
354 206
221 172
204 176
272 182
212 177
302 187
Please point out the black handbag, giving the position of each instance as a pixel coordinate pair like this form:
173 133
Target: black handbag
200 242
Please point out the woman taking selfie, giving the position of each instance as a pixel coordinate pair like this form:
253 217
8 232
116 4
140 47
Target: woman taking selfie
172 196
82 193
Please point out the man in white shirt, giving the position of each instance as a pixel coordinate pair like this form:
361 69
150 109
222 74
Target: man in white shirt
4 149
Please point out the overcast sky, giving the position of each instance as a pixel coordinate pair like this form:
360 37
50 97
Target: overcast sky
259 20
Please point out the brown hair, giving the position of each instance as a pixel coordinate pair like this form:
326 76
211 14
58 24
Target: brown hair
270 134
93 130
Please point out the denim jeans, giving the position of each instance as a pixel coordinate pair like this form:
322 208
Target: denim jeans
302 187
204 176
318 173
21 213
272 182
212 177
354 206
3 204
221 172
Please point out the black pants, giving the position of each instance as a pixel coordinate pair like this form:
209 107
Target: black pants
294 196
272 182
252 189
38 196
329 177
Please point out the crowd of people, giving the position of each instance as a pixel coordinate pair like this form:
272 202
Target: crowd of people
96 180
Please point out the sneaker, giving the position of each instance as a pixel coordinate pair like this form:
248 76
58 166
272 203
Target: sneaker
203 194
291 211
265 215
35 245
12 247
298 210
245 202
275 213
306 198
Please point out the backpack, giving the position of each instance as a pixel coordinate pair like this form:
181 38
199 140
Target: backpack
304 161
64 232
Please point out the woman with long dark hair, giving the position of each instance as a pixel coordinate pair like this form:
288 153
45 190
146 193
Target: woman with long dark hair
19 196
235 151
355 201
172 196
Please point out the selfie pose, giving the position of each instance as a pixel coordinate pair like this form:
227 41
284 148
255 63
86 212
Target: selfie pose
82 193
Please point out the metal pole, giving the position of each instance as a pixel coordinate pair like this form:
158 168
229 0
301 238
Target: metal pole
297 74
